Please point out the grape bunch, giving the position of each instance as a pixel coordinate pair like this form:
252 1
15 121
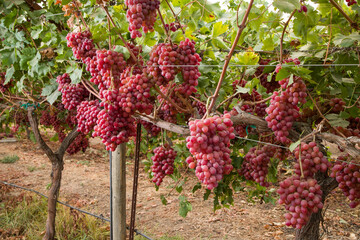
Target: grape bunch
209 143
312 159
283 109
271 85
81 44
81 143
172 27
63 80
351 2
163 163
114 127
337 105
86 116
134 94
141 13
296 61
301 197
256 164
109 66
152 129
347 174
73 95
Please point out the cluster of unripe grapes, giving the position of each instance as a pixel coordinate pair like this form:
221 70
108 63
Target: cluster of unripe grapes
141 14
81 44
87 113
163 163
209 143
301 197
347 174
312 159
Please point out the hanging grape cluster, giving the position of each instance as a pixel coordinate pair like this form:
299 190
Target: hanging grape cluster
347 174
141 14
87 113
163 163
209 143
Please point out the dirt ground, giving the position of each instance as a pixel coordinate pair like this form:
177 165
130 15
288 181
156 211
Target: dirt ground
85 184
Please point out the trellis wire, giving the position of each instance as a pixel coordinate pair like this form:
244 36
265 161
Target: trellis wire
282 65
72 207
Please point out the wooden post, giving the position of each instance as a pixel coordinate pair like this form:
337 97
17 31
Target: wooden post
119 192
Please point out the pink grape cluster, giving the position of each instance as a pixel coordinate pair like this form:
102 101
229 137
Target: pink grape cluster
301 197
209 143
141 13
283 109
63 80
109 65
312 159
81 44
134 94
163 163
114 127
152 129
269 85
256 164
87 113
347 174
296 61
81 143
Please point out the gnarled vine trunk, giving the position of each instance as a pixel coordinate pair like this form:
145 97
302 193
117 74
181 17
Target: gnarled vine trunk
56 159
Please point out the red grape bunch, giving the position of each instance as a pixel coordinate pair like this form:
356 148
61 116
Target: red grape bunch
163 163
81 44
337 105
87 113
81 143
172 27
351 2
114 127
256 164
209 143
312 159
152 129
301 197
347 174
141 13
283 109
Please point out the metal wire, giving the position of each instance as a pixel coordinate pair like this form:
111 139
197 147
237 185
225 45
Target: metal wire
259 65
72 207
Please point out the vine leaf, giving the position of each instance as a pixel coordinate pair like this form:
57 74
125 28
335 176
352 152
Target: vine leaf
294 145
185 206
336 121
9 73
287 5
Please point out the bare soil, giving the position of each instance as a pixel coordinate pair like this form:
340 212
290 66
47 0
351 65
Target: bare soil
85 184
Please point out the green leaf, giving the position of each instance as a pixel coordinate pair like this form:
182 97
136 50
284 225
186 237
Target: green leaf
241 89
163 199
336 121
53 97
294 145
9 74
287 5
247 58
218 29
76 76
219 43
196 187
185 206
207 194
282 74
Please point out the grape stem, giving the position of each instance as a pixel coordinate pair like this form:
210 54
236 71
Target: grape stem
176 18
339 8
169 100
166 30
330 33
120 36
282 35
91 91
228 57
